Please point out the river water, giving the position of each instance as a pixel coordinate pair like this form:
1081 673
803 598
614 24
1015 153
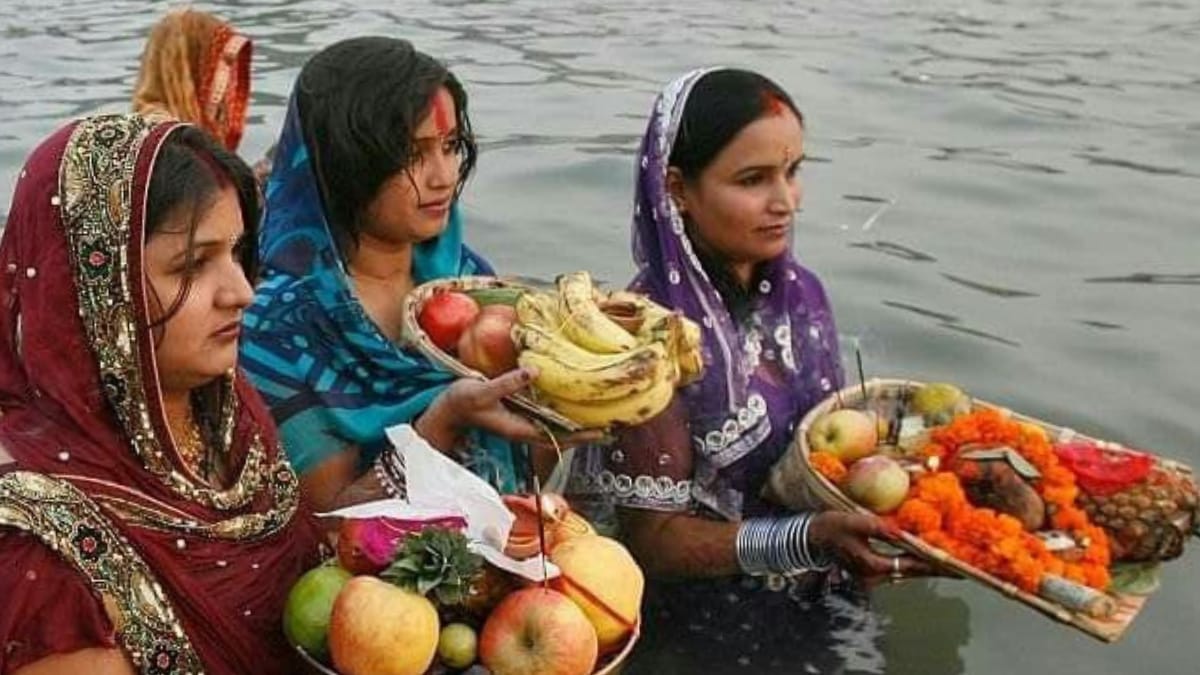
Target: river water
1003 193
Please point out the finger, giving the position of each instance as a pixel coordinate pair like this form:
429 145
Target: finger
509 383
512 426
582 438
873 563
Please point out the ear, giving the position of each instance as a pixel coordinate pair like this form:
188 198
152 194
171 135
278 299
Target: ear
676 188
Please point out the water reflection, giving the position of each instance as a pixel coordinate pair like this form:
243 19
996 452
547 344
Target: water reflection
990 289
1149 278
895 250
924 631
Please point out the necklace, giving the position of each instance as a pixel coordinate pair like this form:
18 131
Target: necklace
191 447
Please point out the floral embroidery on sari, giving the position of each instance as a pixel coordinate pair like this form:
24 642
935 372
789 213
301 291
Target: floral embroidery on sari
72 525
95 183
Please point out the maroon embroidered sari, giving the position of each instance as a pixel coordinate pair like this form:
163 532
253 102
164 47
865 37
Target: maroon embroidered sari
106 539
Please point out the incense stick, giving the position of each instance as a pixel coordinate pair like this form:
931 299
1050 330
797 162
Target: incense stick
537 497
862 380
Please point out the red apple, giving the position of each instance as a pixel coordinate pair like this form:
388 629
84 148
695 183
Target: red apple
538 631
846 433
380 629
878 483
445 316
487 345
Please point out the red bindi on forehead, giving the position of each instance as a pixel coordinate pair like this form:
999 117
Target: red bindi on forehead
773 104
443 114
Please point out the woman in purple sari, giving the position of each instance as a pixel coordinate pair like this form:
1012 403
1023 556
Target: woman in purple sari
748 585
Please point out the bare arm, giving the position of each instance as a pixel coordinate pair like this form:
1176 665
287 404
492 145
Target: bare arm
670 545
465 404
96 661
680 546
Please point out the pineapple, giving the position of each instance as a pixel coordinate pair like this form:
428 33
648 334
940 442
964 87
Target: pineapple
1149 520
438 561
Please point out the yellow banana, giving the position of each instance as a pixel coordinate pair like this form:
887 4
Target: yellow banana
538 309
637 372
584 322
631 410
554 344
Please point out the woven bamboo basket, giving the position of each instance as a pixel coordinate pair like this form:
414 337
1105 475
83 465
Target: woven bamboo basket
415 337
795 483
609 665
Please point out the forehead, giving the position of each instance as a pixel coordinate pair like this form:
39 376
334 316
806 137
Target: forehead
441 116
771 139
218 218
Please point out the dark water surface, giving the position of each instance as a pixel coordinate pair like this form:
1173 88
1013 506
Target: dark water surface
1002 193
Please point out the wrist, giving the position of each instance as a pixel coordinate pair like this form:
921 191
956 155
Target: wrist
778 545
438 424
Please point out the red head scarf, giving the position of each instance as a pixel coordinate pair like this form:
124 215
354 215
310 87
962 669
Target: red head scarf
196 68
81 402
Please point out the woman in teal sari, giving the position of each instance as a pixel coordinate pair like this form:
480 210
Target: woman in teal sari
362 206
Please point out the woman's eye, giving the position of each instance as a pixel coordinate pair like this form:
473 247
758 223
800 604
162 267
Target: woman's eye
750 180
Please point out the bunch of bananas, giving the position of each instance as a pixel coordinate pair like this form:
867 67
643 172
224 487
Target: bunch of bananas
604 358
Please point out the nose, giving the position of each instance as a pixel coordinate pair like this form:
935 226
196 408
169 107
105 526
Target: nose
786 195
236 291
442 171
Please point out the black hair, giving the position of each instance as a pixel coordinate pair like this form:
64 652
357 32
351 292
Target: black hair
721 104
190 171
360 101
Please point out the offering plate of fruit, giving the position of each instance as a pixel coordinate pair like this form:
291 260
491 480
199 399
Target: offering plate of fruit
603 358
1073 526
406 597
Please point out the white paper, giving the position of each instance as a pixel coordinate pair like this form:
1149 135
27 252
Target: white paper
439 487
434 481
389 508
530 568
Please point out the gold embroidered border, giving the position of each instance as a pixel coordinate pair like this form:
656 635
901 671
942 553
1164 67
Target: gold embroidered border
73 526
96 180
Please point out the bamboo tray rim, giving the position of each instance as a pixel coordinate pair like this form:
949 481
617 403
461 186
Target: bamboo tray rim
414 336
1108 630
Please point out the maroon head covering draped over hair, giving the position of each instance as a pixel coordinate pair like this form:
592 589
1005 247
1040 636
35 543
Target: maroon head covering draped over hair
107 539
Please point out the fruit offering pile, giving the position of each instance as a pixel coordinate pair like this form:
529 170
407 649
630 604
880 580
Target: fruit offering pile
411 597
997 493
602 358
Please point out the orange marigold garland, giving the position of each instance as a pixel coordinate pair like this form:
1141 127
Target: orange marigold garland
828 466
937 509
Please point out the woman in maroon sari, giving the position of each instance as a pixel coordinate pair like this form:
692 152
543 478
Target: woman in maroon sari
148 520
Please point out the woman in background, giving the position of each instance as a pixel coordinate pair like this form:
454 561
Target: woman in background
196 68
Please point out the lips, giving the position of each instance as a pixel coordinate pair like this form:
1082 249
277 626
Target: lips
229 330
435 208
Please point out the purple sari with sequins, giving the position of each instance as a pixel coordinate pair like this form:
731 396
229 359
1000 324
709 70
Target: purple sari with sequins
761 376
710 453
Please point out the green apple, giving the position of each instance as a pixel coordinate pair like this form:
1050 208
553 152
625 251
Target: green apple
846 433
939 402
458 645
309 606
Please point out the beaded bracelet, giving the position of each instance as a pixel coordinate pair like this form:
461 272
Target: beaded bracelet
389 471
